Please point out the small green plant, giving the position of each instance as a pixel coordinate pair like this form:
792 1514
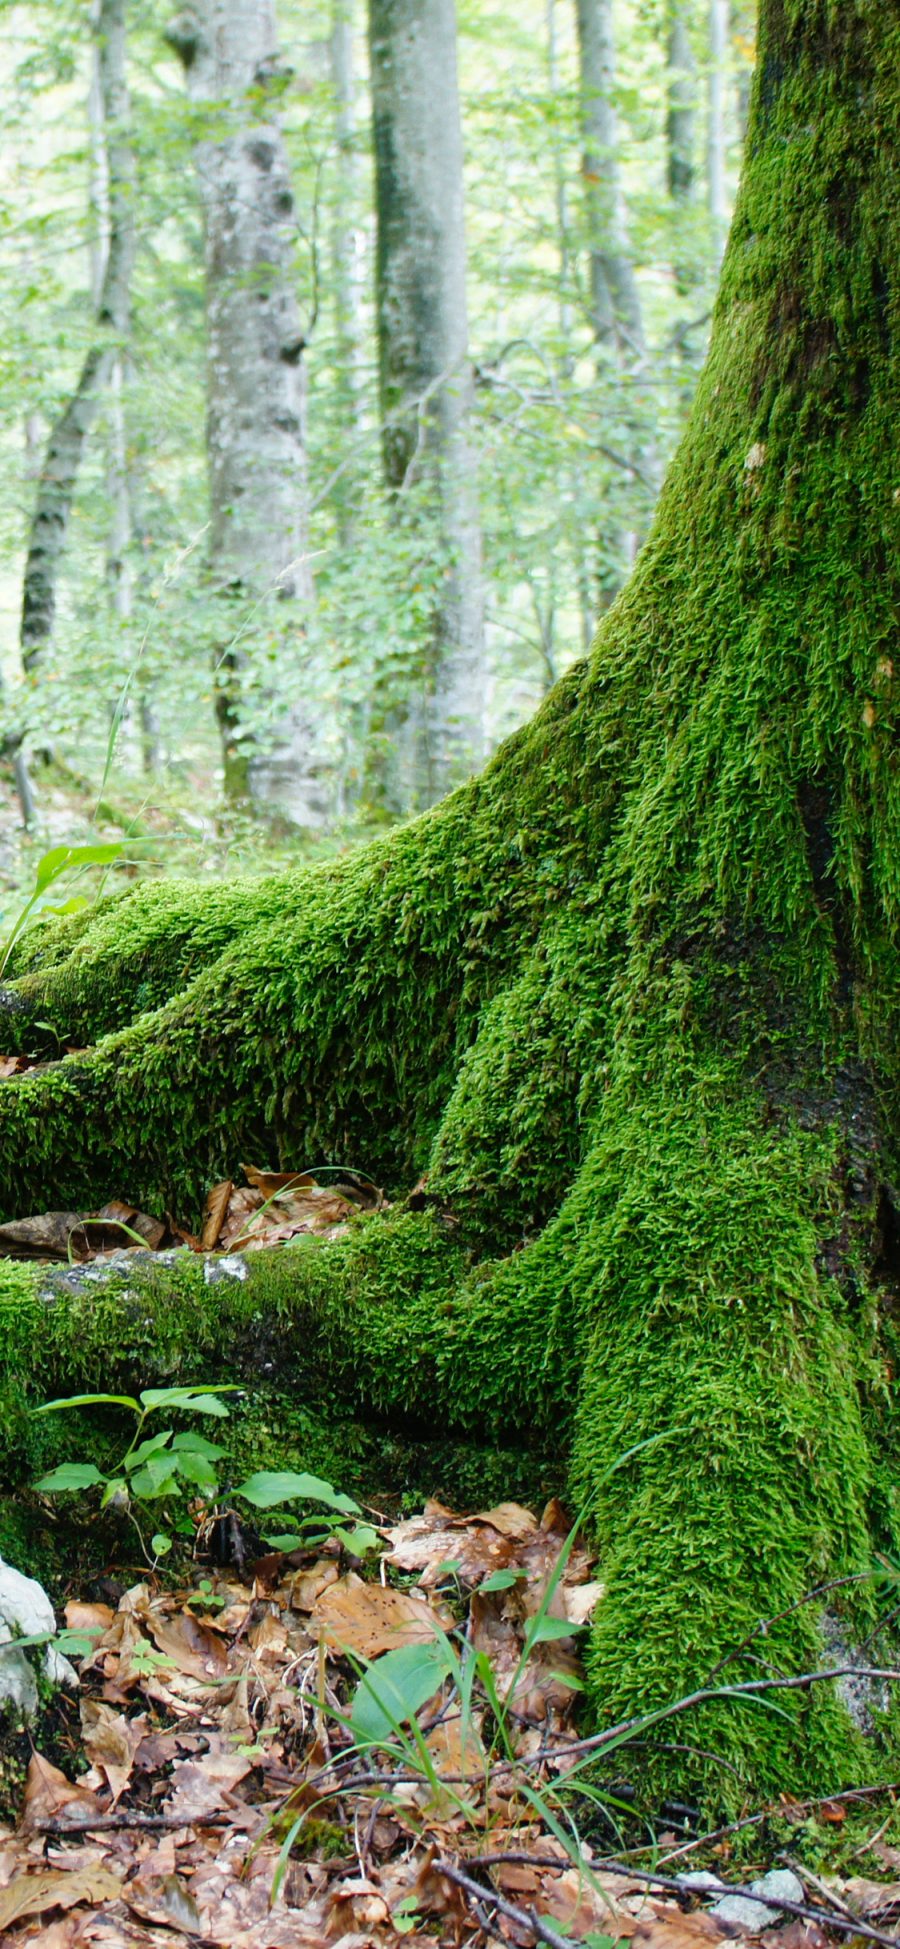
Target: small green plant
50 868
170 1467
166 1465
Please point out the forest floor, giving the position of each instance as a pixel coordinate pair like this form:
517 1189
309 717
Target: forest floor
226 1774
369 1734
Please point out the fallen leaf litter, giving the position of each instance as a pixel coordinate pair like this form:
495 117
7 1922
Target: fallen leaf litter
213 1723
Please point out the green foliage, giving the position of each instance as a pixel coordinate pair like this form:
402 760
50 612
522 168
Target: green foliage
161 1467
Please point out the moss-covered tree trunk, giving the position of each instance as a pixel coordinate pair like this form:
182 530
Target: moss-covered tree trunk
631 998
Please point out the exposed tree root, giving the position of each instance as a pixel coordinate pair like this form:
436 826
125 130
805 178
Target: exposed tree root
631 998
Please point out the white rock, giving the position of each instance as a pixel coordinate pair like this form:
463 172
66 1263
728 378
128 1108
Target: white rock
739 1911
26 1612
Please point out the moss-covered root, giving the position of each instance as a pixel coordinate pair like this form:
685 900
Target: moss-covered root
718 1337
671 1329
679 1306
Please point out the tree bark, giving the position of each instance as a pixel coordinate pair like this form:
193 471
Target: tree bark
615 305
616 311
256 392
68 436
425 375
630 999
681 114
346 251
716 135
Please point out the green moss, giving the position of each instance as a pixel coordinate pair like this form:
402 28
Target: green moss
632 998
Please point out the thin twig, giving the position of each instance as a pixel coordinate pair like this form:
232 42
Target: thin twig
109 1823
523 1918
773 1813
849 1924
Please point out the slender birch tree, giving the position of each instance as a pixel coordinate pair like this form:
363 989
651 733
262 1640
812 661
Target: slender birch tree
113 254
256 396
424 369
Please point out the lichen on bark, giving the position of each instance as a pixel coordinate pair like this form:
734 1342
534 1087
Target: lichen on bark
631 998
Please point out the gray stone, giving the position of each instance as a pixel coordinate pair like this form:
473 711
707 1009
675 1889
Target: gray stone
229 1267
741 1912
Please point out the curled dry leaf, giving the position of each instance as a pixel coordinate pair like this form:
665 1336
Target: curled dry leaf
370 1618
110 1742
34 1894
50 1796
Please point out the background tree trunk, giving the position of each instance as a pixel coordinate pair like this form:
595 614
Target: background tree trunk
716 130
256 393
425 376
615 301
346 251
112 286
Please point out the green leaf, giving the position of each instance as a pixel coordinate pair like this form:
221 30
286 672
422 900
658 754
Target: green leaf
407 1915
77 1644
189 1443
360 1540
194 1400
160 1544
117 1487
70 1475
196 1468
148 1447
395 1687
89 1401
148 1483
548 1629
500 1580
156 1468
271 1486
285 1542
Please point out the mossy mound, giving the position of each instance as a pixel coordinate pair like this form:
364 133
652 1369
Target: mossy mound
630 998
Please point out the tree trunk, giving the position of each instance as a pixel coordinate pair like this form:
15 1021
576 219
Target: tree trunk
682 105
346 255
616 310
259 549
631 998
743 31
68 436
716 138
424 371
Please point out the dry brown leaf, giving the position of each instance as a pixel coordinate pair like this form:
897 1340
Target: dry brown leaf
166 1899
370 1618
581 1600
151 1230
33 1894
44 1236
428 1542
509 1519
88 1617
663 1925
866 1897
795 1934
214 1214
111 1742
270 1184
48 1794
308 1585
13 1066
190 1642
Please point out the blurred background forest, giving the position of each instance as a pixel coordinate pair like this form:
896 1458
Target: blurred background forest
326 437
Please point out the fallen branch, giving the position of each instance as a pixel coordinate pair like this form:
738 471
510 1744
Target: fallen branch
840 1917
524 1918
109 1823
